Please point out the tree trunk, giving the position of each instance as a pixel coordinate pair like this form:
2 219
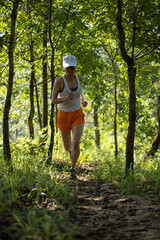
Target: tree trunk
155 145
38 105
97 133
131 84
156 141
32 81
56 118
7 106
115 118
45 85
116 107
50 150
132 119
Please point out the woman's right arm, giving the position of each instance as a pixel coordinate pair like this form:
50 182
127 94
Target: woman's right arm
56 90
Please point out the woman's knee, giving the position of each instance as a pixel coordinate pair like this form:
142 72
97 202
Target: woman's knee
67 147
75 144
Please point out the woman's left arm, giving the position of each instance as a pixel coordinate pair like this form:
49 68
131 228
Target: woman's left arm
83 102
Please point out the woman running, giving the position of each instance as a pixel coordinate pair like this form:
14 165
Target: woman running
68 93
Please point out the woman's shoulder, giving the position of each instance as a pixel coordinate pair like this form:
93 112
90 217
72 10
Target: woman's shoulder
80 78
59 82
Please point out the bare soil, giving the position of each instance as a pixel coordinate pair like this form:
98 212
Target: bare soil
104 213
100 211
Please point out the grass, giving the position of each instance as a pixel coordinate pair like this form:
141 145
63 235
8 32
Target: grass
35 198
144 180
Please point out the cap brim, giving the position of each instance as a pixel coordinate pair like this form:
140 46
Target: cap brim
65 65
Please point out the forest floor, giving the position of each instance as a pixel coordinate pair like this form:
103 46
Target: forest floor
103 212
99 211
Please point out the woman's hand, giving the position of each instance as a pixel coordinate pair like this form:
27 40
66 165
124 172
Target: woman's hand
84 103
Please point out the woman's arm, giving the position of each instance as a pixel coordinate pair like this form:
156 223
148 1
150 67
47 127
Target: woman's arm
57 88
83 102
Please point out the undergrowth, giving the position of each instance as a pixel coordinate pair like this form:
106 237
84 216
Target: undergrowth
144 180
35 198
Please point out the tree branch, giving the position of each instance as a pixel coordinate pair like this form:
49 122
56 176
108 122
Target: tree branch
42 82
121 33
142 51
136 58
110 54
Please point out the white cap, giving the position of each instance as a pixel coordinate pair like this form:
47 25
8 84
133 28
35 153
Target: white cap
69 61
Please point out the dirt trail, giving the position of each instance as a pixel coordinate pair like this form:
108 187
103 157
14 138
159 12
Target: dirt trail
104 213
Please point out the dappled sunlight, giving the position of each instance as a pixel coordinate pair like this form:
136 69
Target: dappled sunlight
102 210
116 44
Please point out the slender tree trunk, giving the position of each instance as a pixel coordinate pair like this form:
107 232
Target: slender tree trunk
132 104
132 119
50 150
32 81
131 84
56 118
155 145
6 143
97 133
116 107
156 141
115 118
45 84
38 105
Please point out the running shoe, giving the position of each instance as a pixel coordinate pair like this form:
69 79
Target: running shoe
72 174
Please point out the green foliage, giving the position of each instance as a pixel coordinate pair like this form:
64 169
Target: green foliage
146 177
89 32
35 223
33 197
31 194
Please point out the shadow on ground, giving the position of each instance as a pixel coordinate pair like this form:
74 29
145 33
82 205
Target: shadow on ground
102 212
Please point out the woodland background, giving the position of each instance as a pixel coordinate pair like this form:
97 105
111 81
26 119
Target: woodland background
118 50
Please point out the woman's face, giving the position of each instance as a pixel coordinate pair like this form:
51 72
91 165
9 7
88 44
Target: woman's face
70 70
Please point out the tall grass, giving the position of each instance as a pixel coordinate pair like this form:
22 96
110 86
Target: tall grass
146 176
34 197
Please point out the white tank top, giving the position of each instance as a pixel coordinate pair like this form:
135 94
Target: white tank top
73 104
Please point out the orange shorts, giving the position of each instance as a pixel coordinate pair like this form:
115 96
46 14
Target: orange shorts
66 120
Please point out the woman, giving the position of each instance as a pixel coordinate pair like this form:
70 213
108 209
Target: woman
70 115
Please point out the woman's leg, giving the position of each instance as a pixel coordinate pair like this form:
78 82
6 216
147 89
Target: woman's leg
66 137
77 131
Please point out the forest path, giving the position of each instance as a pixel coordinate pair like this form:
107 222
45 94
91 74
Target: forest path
103 212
